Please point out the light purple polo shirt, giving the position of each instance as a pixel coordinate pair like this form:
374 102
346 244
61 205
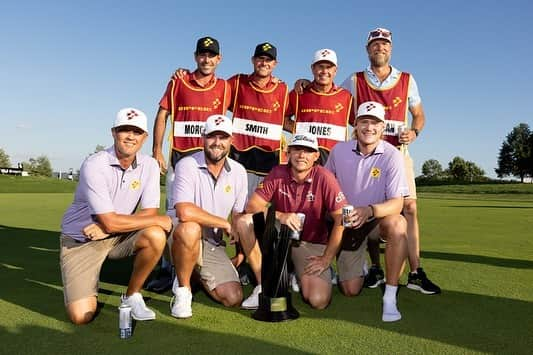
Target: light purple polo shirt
194 183
371 179
105 187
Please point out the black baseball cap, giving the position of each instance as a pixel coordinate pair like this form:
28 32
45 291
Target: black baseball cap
207 44
267 49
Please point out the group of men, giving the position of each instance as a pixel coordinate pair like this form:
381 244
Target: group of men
223 170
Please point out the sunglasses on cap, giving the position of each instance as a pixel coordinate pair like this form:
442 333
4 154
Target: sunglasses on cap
379 33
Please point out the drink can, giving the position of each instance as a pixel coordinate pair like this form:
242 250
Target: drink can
401 129
346 210
124 321
295 235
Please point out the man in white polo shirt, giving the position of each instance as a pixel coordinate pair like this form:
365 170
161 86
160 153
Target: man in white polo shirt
207 188
103 220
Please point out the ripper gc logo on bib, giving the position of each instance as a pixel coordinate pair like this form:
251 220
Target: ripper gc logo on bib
375 173
135 185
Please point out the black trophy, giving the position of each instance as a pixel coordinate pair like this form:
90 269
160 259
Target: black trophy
275 304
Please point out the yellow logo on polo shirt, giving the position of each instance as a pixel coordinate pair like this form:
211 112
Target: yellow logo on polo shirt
135 185
227 189
375 172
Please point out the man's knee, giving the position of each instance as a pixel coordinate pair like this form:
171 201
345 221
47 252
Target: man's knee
82 311
409 207
155 237
319 300
351 288
187 233
393 228
230 296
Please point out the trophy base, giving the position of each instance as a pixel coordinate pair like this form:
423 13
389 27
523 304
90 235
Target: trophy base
275 309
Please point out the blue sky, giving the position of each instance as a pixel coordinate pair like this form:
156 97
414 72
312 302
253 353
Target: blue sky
67 67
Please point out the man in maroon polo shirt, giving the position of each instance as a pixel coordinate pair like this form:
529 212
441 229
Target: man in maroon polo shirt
302 186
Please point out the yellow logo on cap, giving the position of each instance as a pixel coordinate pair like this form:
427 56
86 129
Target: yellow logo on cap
375 172
266 47
227 189
207 42
135 185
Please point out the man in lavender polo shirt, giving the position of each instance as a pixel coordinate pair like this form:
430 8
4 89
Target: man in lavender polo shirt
371 174
302 186
207 188
102 221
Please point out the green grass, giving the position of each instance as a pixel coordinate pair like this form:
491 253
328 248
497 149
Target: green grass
480 189
477 247
28 184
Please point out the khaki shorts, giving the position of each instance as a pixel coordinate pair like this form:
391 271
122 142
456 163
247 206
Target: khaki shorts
81 262
410 176
300 252
216 267
213 264
350 263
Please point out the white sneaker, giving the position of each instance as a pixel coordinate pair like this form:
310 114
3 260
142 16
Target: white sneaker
175 285
390 312
294 283
139 311
252 302
181 303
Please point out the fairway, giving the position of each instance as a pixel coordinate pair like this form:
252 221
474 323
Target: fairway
477 247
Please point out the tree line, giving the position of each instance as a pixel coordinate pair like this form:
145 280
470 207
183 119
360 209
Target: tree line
516 154
39 166
515 159
458 170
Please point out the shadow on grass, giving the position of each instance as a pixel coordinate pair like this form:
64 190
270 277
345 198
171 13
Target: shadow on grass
479 259
29 266
475 259
102 338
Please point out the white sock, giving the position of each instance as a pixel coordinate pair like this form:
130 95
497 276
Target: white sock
390 310
390 293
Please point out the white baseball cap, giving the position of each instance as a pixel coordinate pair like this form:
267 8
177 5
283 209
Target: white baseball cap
130 116
371 108
325 54
379 33
218 123
304 140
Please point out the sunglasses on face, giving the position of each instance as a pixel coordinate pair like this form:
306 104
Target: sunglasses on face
380 33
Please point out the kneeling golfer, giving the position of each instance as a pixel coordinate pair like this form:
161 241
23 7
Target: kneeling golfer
103 220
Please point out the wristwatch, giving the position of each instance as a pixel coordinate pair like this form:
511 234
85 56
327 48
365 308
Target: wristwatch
372 216
416 130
